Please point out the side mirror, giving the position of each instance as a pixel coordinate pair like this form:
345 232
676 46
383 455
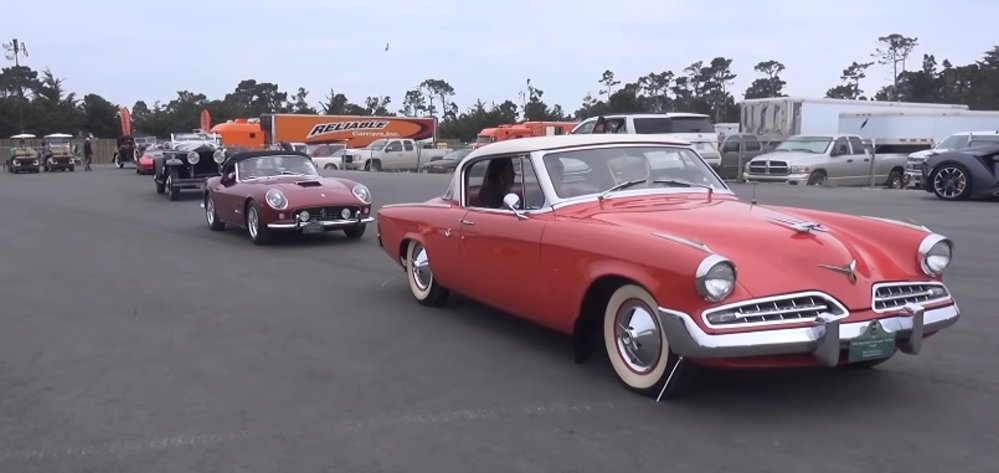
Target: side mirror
228 177
512 201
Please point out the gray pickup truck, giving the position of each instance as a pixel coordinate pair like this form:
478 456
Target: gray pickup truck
839 159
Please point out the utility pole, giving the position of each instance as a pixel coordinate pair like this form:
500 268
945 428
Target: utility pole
14 50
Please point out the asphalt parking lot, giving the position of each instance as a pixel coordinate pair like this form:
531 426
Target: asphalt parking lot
134 339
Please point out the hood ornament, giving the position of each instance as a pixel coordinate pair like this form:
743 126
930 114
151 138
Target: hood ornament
849 270
798 226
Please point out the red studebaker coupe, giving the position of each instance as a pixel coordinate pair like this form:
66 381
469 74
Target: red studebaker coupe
282 191
633 245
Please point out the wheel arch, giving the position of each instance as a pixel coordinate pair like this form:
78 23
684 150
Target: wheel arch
586 330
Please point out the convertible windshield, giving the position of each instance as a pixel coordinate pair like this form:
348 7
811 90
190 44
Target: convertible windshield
808 144
270 166
595 171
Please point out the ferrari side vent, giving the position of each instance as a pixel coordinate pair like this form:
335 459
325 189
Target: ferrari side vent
309 183
893 296
788 308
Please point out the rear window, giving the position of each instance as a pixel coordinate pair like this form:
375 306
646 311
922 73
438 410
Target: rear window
651 126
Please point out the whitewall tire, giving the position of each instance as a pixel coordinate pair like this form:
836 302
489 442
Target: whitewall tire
422 283
636 345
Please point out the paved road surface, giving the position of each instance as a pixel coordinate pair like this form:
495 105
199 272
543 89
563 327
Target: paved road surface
134 339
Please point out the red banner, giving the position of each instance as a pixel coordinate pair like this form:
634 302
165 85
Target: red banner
126 121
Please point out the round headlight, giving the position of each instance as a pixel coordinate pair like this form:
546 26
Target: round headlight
362 193
715 278
935 253
218 156
276 199
304 216
345 214
193 157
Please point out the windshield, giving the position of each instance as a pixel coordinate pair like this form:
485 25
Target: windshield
326 151
269 166
484 139
456 155
378 145
660 125
807 144
954 142
593 171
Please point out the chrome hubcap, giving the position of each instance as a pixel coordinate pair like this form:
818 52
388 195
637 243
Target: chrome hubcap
950 182
639 341
252 221
422 275
210 210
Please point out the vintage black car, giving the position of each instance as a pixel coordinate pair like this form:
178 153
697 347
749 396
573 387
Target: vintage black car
969 173
125 152
186 166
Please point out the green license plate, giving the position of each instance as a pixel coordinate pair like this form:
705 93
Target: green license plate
875 344
312 227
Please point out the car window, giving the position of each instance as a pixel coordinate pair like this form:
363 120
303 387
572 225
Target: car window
585 128
394 146
841 146
751 143
526 179
487 181
857 145
408 145
954 142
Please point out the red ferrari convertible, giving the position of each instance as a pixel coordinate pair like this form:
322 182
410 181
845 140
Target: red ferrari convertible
633 245
273 191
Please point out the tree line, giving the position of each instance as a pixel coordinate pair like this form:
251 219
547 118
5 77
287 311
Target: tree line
39 101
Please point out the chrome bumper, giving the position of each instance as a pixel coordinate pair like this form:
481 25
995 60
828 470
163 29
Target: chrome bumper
913 178
824 340
325 223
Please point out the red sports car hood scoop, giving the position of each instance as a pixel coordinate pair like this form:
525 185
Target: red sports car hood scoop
774 252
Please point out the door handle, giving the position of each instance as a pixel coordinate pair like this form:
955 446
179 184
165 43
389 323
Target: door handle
466 222
867 159
849 160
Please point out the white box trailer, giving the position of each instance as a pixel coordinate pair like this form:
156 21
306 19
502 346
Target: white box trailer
902 124
777 118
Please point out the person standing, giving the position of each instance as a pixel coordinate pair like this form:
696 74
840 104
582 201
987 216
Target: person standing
88 153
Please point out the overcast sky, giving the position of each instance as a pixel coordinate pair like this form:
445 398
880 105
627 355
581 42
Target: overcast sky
131 50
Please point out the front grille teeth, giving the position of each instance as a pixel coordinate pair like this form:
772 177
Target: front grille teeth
894 296
790 308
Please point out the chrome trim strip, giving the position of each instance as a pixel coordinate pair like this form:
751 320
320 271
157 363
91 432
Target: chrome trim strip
900 223
325 223
826 337
764 300
684 241
874 292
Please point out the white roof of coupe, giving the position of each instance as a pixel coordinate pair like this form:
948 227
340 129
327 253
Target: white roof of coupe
543 143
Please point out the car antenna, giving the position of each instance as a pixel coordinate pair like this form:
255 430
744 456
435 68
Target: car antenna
753 201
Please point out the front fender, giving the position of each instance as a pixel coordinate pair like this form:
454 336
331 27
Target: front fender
983 179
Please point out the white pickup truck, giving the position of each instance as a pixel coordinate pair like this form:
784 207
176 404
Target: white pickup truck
397 154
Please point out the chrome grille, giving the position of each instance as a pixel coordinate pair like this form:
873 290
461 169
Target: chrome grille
329 213
790 308
769 168
893 296
913 165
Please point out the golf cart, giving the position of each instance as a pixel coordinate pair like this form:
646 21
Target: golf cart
23 158
57 153
125 153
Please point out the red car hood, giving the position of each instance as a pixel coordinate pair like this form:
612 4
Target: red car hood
311 192
770 257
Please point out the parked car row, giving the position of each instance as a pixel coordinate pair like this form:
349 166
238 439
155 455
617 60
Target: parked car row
622 242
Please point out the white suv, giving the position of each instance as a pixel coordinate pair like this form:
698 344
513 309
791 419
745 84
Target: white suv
694 128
